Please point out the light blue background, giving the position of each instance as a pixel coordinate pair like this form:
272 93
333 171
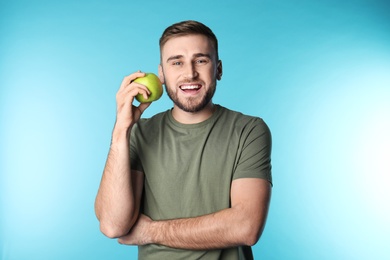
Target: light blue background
318 72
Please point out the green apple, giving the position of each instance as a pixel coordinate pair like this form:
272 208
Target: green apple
153 83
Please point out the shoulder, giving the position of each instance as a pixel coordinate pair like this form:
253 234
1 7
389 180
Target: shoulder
243 121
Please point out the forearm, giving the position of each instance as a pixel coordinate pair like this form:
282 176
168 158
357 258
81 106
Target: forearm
242 224
223 229
115 204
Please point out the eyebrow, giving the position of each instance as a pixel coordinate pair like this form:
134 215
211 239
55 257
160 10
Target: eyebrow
196 55
175 57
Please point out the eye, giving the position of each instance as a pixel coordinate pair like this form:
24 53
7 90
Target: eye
201 61
177 63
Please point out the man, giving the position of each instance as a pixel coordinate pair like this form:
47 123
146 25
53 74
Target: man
193 182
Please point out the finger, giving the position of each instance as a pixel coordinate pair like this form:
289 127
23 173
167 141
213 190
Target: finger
134 91
140 86
143 106
140 109
129 79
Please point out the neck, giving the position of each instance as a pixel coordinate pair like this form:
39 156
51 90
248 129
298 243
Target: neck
193 118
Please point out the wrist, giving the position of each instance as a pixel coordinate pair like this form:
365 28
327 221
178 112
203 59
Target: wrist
154 233
120 134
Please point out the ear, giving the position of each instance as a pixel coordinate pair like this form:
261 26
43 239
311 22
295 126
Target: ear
161 74
219 70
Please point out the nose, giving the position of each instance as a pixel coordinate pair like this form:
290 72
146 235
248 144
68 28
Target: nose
190 71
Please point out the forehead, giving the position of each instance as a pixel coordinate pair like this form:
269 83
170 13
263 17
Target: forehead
187 46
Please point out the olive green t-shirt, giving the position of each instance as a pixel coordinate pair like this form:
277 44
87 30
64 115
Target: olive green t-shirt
189 169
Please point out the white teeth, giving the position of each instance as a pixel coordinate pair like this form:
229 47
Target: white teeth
190 87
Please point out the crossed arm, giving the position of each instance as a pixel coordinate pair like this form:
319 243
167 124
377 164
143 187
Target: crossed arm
242 224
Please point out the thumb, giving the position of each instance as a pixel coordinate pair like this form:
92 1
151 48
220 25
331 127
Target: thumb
143 106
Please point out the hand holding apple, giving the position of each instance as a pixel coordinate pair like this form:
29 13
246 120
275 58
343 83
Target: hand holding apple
153 83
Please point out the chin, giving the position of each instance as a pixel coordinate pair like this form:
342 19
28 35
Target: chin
191 105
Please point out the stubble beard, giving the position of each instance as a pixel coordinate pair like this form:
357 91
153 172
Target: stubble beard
192 104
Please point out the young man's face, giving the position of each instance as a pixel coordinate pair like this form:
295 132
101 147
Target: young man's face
189 68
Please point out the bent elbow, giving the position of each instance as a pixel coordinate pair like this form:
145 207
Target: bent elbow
251 235
251 239
111 231
115 228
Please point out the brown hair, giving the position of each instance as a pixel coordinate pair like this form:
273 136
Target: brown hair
186 28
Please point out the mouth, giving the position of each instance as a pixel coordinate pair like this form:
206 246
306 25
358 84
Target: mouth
190 88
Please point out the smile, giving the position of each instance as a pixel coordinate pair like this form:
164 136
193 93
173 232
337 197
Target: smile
190 87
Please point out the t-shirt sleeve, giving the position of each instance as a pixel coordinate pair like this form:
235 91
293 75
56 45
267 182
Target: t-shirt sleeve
255 154
135 161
